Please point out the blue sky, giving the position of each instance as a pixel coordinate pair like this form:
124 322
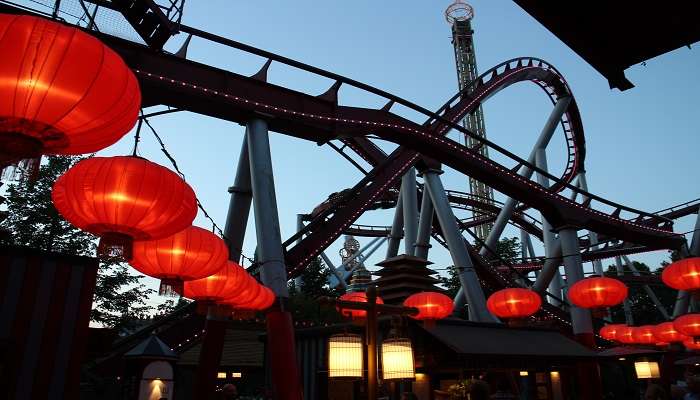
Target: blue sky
641 144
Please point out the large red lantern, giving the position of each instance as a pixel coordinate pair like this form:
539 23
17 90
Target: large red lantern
263 300
609 332
61 90
597 292
237 281
360 297
691 344
625 334
688 324
683 274
431 305
514 303
245 294
665 332
122 199
644 334
193 253
209 289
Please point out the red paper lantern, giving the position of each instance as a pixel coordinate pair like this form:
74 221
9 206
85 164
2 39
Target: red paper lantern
193 253
688 324
430 305
610 331
625 334
644 334
661 344
514 303
665 332
245 294
683 274
597 292
691 344
61 90
211 288
237 281
360 297
263 300
122 199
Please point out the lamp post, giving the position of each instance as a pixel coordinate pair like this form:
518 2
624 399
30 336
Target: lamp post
372 310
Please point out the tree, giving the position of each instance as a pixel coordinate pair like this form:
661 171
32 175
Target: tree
33 221
303 299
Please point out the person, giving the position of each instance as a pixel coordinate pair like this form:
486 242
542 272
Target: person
229 392
655 392
408 396
479 390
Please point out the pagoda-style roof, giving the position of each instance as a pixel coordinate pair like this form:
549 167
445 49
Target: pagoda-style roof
402 276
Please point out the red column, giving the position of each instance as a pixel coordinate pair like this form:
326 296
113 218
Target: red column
209 358
281 350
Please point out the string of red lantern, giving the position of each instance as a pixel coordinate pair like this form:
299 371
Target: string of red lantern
431 306
597 292
683 274
360 297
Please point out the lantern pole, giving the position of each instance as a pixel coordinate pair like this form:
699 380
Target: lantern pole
371 334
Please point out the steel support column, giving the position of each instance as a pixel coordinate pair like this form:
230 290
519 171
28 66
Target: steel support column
580 317
592 236
334 270
458 250
409 195
549 269
549 239
649 291
629 320
280 329
396 230
425 226
238 206
683 298
695 241
542 141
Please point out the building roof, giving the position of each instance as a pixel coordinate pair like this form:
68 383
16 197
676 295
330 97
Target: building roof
151 348
622 351
242 348
493 340
614 35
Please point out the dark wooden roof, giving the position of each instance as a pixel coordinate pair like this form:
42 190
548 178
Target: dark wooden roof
151 348
614 35
242 348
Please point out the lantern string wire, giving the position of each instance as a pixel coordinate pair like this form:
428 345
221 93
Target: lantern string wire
215 226
137 135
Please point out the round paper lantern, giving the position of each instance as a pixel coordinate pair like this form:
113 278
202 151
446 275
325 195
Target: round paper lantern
665 332
264 299
688 324
61 90
683 274
644 334
122 199
624 334
514 303
236 282
430 305
597 292
193 253
360 297
691 344
211 288
245 294
661 344
609 332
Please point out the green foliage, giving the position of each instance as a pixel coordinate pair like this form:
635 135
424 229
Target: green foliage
33 221
303 299
508 249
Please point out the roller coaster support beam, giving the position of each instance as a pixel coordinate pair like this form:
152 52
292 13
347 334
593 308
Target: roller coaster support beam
593 236
695 242
299 281
409 195
361 256
629 320
509 206
334 270
647 289
425 226
458 251
524 254
280 329
238 206
549 269
555 284
683 298
573 266
396 230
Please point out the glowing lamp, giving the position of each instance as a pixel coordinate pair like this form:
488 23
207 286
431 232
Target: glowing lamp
683 274
431 305
644 334
345 356
62 91
609 332
211 288
665 332
688 324
514 303
360 297
597 292
397 359
193 253
647 369
524 373
124 199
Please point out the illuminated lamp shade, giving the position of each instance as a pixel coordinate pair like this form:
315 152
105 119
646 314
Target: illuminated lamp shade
665 332
397 359
691 344
431 305
246 294
688 324
644 334
597 292
360 297
609 332
238 279
345 356
514 303
193 253
625 335
124 199
683 274
62 91
647 369
211 288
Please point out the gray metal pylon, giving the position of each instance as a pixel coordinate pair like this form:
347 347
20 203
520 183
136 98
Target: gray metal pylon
409 195
629 319
580 317
396 230
239 205
425 226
